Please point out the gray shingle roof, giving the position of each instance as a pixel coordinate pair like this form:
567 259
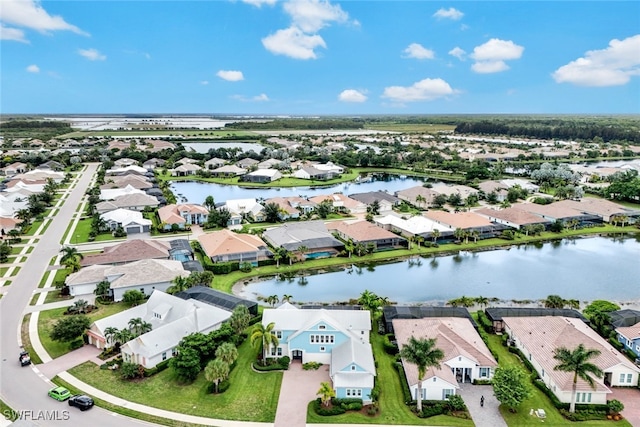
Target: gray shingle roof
312 234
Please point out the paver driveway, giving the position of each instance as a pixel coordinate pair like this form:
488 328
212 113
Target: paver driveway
483 416
299 387
630 398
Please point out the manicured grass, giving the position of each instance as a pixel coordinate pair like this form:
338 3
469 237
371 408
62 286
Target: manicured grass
35 225
538 399
252 396
15 271
3 270
121 410
7 412
392 407
48 318
7 283
82 230
15 250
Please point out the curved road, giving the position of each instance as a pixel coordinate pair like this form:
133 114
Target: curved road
21 387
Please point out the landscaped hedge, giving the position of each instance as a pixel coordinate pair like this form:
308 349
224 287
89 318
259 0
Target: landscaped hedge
588 415
527 363
338 406
484 321
279 364
406 392
389 347
223 267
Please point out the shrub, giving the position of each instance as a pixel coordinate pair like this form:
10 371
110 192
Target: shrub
406 392
485 322
129 370
482 382
456 403
311 366
77 343
223 386
389 347
431 410
615 406
324 411
284 362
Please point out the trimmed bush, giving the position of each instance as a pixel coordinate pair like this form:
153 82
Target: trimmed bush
267 368
223 386
406 392
311 366
389 347
76 344
324 411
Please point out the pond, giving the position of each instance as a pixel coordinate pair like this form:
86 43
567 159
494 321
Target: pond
582 269
196 192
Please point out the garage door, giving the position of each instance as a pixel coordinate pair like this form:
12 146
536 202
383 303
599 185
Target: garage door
133 230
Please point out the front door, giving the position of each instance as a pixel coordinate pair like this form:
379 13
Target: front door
296 354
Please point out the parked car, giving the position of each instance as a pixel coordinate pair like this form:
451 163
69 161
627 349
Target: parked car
59 393
24 358
81 401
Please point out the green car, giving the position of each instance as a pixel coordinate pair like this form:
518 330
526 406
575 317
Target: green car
59 393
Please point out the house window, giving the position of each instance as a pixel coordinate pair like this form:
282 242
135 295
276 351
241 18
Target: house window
543 373
174 352
354 392
322 349
322 327
164 356
279 351
273 351
484 372
434 379
353 367
279 334
446 393
622 378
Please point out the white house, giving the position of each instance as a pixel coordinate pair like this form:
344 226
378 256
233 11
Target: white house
182 214
113 193
131 221
249 207
145 275
171 319
466 357
539 337
339 338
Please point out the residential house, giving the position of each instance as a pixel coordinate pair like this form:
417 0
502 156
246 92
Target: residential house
419 196
287 211
623 318
629 336
171 319
7 224
522 183
539 337
152 164
339 338
112 193
451 189
145 275
134 202
512 217
128 251
313 235
229 171
214 163
124 162
605 209
496 314
496 187
249 208
417 225
341 203
14 168
365 233
247 163
227 246
319 172
386 201
133 169
305 206
391 312
219 299
185 170
270 164
466 356
51 165
467 221
131 221
11 203
182 215
186 161
136 181
41 175
560 212
262 176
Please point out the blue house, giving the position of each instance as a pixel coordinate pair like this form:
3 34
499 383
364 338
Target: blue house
629 336
339 338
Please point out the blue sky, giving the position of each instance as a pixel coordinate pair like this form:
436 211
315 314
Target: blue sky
320 57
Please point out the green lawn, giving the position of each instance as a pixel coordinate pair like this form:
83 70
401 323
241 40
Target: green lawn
538 400
7 412
252 396
48 318
392 407
26 341
82 230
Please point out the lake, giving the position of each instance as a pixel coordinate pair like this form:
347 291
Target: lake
582 269
196 192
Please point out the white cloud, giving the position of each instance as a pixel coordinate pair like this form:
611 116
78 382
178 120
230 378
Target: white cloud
458 53
491 56
261 98
258 98
14 34
424 90
30 14
450 13
33 68
417 51
352 95
259 3
613 66
204 82
92 54
313 15
294 43
230 76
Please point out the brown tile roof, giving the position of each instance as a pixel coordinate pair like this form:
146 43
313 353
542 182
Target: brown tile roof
513 215
410 194
364 231
283 203
630 332
170 214
225 242
553 210
458 220
455 336
347 202
129 251
601 207
541 336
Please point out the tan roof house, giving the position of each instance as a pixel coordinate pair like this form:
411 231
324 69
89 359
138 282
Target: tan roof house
539 337
225 246
128 251
512 217
366 233
182 214
14 169
419 196
466 356
341 203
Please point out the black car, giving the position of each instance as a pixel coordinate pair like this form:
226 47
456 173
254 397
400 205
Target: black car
81 401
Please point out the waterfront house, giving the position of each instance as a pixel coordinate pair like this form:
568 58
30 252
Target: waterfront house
468 221
414 226
249 208
512 217
496 314
419 196
339 338
128 251
182 214
227 246
214 163
145 275
262 176
466 356
218 298
629 336
560 212
386 201
341 203
247 163
539 337
605 209
186 169
366 233
228 171
313 235
287 210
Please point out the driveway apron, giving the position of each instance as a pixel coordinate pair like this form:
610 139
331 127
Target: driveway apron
630 398
487 415
69 360
299 387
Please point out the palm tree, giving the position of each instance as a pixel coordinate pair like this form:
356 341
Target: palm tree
109 334
216 371
350 246
69 252
424 354
482 301
227 352
102 289
326 393
435 234
122 336
301 250
135 325
72 264
209 203
419 239
420 200
576 361
286 298
179 284
475 234
458 234
263 337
